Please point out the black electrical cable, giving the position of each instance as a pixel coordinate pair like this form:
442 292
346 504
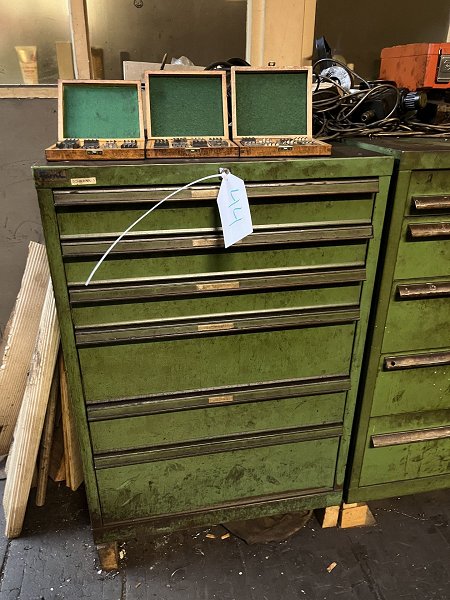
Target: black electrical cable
335 110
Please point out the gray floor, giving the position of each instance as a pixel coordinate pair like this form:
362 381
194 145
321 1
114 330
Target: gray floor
405 556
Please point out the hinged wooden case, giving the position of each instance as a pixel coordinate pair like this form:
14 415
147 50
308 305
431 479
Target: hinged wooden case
187 115
272 112
106 113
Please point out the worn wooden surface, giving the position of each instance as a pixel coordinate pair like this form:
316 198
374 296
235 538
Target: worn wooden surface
357 514
46 441
28 431
20 342
72 457
328 517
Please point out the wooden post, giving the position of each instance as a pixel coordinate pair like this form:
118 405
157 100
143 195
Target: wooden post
80 39
74 468
280 31
46 442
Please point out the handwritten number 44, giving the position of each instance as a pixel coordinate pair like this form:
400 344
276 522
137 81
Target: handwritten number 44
235 210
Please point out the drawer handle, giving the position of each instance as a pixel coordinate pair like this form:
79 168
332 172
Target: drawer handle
383 440
416 291
434 359
431 202
420 231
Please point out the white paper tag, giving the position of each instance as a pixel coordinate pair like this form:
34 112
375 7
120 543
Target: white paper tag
234 209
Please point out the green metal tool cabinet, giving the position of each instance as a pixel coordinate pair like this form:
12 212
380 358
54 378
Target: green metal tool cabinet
208 384
403 435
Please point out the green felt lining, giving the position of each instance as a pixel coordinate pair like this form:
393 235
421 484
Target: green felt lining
271 103
101 111
188 106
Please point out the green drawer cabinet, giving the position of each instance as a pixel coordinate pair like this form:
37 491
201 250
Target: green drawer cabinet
402 441
213 384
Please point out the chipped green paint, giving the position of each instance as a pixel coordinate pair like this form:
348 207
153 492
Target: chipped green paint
416 398
306 433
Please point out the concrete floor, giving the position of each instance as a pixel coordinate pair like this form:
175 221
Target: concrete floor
404 557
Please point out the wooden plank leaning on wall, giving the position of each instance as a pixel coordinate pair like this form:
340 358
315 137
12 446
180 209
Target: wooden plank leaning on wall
280 31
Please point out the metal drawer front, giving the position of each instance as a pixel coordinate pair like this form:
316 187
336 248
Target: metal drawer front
128 371
217 420
234 323
231 395
409 446
412 383
205 261
151 288
418 317
424 249
254 190
226 478
203 214
137 300
148 242
430 189
214 305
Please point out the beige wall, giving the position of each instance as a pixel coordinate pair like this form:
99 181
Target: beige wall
27 127
203 30
359 30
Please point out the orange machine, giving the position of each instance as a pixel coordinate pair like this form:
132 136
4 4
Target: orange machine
416 66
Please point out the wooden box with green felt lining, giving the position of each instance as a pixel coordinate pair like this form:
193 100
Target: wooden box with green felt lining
187 115
272 112
99 120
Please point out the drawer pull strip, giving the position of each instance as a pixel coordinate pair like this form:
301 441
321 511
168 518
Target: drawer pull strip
419 231
258 190
79 247
163 403
384 440
433 359
431 202
417 291
271 319
258 281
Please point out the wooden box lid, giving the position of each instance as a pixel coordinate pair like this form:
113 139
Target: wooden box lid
271 102
186 104
104 109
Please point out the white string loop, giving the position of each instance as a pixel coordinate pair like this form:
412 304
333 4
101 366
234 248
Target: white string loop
221 174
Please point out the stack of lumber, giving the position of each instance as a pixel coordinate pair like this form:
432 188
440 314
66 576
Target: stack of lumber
37 427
